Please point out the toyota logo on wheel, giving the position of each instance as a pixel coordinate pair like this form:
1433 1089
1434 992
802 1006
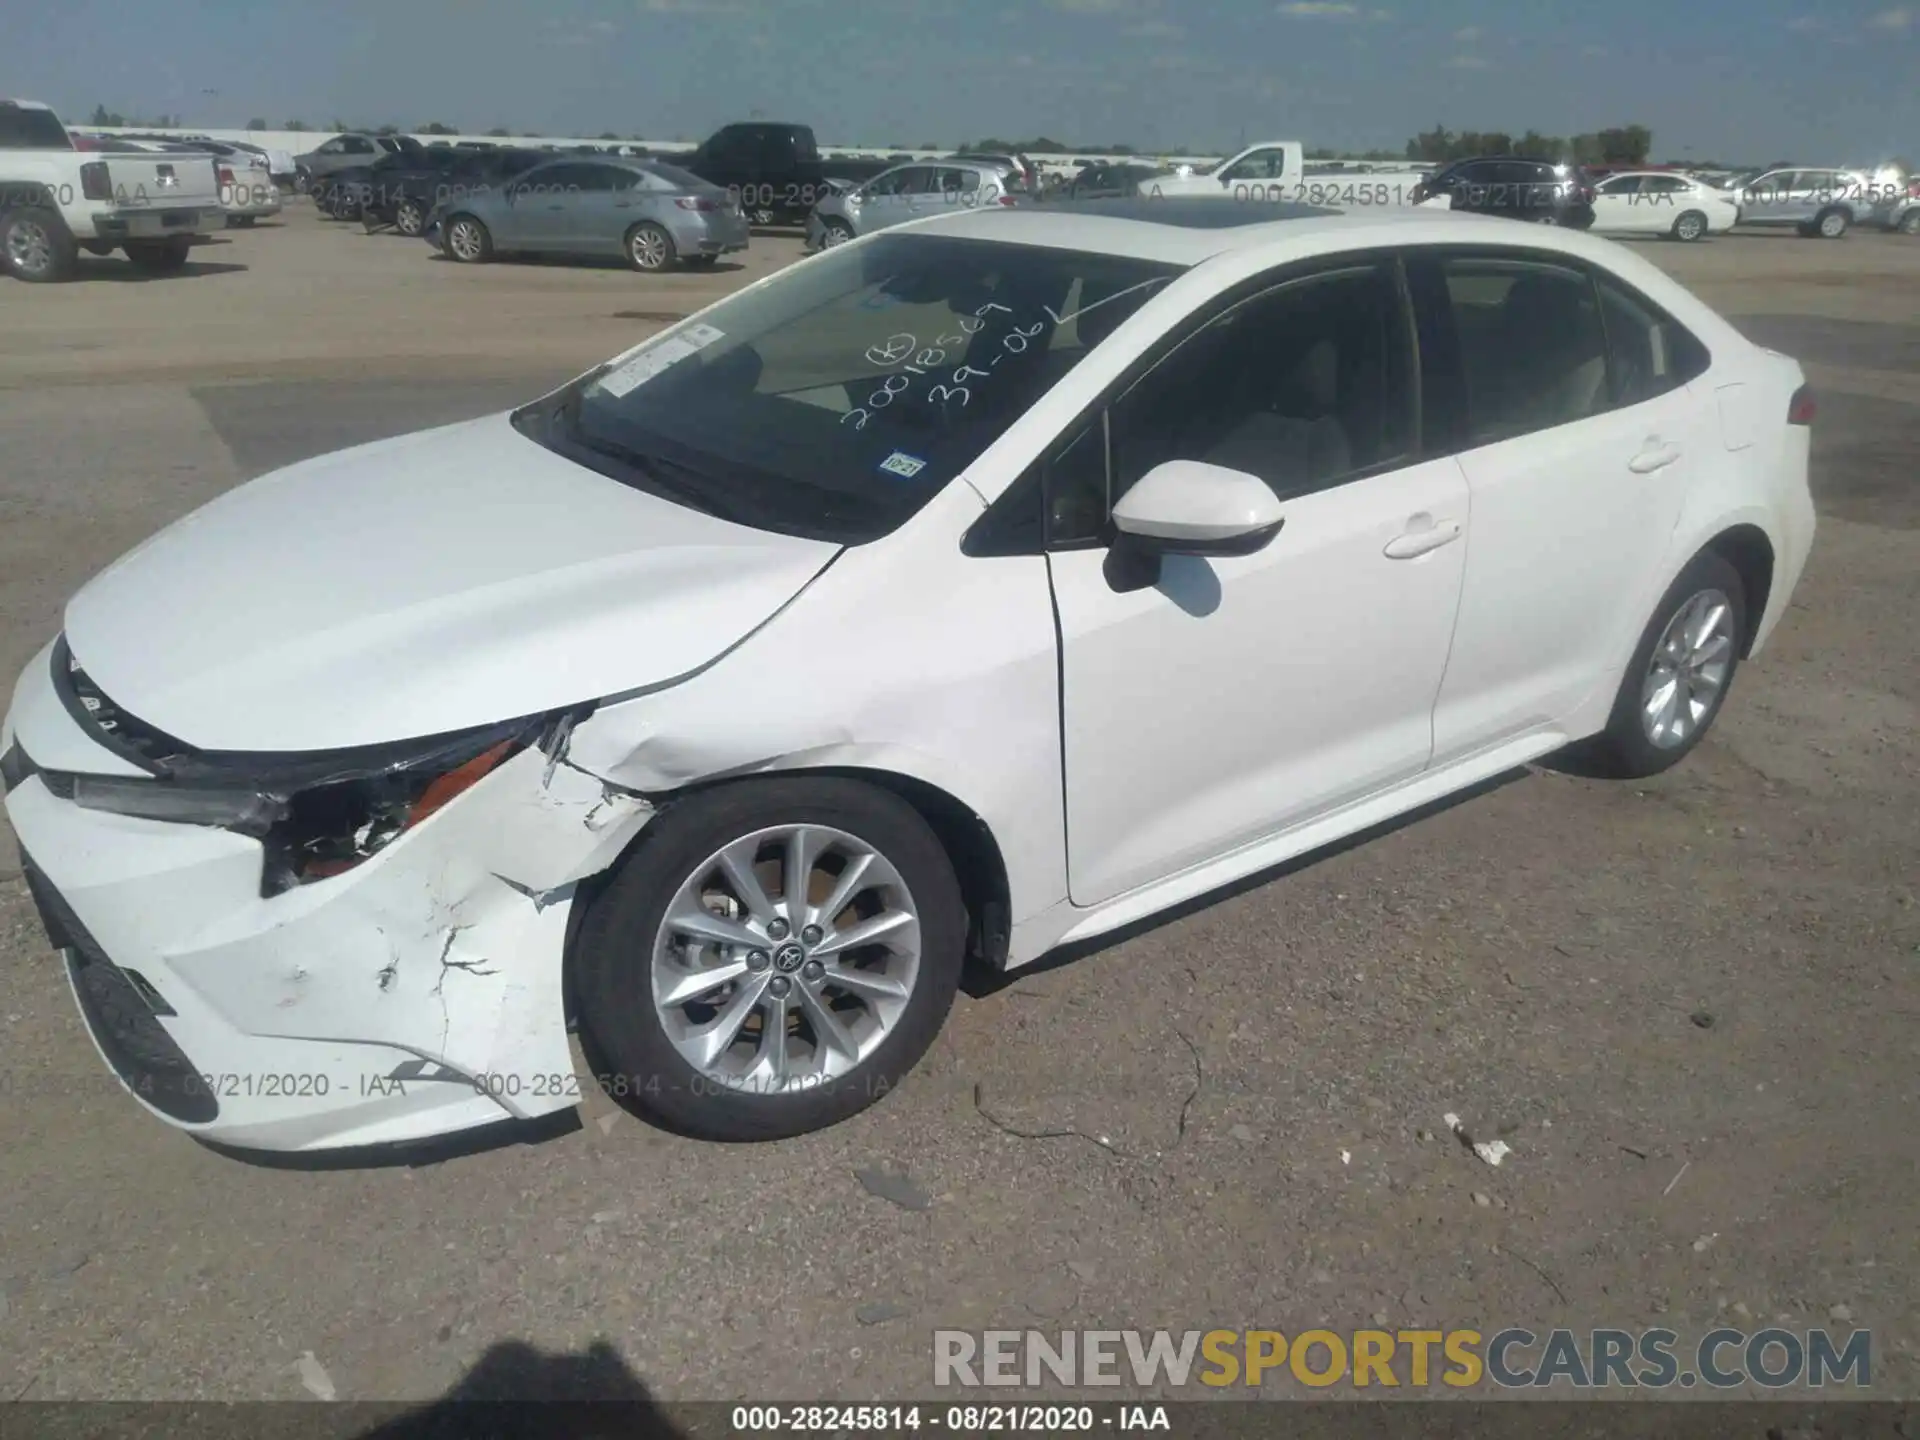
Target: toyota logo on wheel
788 958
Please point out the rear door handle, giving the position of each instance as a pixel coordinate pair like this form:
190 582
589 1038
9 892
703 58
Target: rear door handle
1654 455
1414 543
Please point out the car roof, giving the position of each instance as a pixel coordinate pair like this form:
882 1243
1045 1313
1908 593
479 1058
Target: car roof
1187 232
26 104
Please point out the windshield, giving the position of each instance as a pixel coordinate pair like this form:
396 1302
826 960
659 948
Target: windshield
837 400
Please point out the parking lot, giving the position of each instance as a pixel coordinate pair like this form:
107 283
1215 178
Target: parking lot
1691 1005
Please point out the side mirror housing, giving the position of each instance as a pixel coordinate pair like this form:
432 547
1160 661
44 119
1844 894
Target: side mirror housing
1188 507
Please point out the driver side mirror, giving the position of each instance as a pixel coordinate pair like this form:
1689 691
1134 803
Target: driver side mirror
1188 507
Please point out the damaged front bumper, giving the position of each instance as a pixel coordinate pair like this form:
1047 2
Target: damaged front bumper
416 994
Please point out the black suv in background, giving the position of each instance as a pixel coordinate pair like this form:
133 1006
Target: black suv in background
1535 190
773 170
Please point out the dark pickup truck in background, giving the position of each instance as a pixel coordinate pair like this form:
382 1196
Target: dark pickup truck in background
774 170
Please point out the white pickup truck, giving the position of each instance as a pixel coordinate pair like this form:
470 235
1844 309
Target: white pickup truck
1279 170
56 201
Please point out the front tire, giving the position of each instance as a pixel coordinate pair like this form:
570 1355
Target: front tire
36 246
410 218
1679 675
468 241
772 958
1832 224
835 232
649 248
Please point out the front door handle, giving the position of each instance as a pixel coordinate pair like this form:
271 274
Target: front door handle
1414 543
1654 455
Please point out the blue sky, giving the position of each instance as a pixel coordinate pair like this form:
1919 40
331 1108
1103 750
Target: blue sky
1756 80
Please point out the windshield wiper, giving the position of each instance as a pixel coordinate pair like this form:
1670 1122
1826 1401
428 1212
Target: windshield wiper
653 468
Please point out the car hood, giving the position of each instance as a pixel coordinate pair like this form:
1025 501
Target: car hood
447 579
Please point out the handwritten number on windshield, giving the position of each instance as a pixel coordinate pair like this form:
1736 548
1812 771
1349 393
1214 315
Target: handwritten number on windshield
884 395
1023 336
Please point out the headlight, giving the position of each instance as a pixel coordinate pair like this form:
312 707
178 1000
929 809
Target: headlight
335 822
316 814
251 812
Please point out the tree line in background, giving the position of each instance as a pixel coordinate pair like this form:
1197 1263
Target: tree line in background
1621 145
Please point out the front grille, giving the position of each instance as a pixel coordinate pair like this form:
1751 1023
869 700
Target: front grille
135 1043
130 738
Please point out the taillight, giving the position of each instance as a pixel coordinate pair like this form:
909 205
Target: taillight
94 184
1800 409
697 202
226 175
1005 200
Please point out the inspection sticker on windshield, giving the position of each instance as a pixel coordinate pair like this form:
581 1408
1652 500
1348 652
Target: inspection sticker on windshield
648 359
902 464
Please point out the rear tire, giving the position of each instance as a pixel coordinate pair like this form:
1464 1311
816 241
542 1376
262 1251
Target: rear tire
1681 670
159 257
1690 226
650 249
625 951
36 246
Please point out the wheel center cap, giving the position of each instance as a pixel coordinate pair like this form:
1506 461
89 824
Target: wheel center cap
789 957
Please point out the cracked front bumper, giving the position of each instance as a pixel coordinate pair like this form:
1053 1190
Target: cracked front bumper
417 994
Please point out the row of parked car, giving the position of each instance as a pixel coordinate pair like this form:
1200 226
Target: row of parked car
1664 201
659 212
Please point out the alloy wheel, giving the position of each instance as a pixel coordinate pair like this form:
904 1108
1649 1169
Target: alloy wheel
1688 671
649 249
1690 227
29 247
785 959
464 240
408 219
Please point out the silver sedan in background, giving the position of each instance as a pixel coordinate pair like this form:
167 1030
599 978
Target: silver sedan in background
652 214
906 192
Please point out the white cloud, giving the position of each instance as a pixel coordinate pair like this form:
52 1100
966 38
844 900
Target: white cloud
1898 19
1090 7
1155 30
1471 32
1804 23
1466 62
1319 10
604 27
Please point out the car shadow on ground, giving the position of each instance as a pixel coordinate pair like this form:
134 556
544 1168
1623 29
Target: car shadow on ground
516 1390
596 262
979 981
118 269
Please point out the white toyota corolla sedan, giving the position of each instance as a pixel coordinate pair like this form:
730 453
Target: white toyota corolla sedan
982 585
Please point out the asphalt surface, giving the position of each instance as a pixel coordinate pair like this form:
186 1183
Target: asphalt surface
1688 1004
